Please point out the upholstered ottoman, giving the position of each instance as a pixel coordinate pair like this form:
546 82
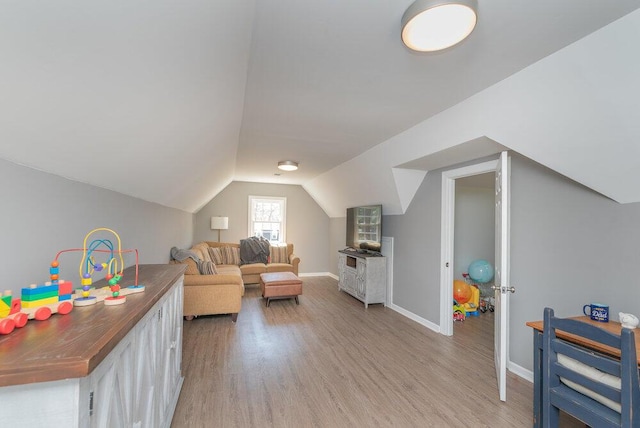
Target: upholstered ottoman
280 285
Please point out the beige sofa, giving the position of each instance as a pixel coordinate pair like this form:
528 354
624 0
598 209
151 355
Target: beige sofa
221 293
251 272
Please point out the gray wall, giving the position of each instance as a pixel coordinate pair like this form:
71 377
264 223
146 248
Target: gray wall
474 227
43 214
337 235
416 275
307 223
569 246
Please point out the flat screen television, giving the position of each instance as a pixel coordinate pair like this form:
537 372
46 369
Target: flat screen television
364 228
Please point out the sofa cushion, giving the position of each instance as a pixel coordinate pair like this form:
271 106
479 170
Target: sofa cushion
230 255
203 249
192 267
197 252
253 269
216 255
278 267
278 255
228 270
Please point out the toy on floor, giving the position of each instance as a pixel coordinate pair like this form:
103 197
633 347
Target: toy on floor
459 313
466 295
481 271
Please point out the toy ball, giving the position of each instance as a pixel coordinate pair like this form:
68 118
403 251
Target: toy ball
481 271
461 291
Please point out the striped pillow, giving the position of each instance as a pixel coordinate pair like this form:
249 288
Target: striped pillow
216 255
207 268
230 255
278 255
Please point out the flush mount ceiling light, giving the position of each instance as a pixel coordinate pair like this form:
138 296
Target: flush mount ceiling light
288 165
433 25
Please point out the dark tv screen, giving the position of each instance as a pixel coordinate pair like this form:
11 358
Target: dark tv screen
364 228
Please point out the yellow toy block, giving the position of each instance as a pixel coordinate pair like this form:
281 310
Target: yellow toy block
38 303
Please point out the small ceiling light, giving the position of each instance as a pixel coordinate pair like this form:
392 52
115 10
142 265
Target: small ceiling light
433 25
288 165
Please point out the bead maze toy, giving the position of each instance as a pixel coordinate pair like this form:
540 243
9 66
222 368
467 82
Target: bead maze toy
88 266
57 296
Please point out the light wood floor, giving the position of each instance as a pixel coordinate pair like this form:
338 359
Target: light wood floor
329 362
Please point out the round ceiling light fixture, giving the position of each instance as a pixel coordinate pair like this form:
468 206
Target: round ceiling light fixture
433 25
288 165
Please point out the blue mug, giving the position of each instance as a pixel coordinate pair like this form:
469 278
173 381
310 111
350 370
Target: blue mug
597 312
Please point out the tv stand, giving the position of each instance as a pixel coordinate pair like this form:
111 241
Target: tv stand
363 275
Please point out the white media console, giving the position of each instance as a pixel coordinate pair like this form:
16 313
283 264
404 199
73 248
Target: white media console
363 275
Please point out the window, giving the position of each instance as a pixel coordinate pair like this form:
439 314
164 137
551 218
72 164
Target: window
267 217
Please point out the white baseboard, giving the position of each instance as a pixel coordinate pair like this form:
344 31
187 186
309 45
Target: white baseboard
520 371
414 317
318 274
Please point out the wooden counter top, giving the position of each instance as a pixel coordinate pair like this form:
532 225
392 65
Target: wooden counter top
611 326
71 346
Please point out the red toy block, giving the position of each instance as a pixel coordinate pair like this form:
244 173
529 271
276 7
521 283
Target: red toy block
65 287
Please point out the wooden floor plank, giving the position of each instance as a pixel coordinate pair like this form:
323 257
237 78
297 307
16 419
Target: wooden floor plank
329 362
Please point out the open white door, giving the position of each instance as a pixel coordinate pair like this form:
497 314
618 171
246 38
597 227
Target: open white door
502 287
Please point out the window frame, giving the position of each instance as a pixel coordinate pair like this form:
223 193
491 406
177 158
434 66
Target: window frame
282 238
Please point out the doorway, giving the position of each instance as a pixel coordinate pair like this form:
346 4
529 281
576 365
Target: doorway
447 249
501 169
474 241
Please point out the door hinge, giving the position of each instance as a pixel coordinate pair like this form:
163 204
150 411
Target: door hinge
91 403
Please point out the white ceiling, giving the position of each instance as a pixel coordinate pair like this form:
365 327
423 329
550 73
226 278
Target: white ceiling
170 101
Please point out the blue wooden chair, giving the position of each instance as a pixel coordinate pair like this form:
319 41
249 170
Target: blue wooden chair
598 390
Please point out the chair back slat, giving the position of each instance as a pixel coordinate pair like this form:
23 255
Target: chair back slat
566 374
588 357
591 332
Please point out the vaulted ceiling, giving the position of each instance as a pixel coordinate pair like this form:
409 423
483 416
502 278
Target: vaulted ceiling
171 101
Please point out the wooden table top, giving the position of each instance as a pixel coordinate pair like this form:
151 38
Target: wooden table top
611 326
71 346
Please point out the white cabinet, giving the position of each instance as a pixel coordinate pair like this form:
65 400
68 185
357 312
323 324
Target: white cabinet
136 384
364 276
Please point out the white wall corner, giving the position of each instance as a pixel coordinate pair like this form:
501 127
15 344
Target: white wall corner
425 322
407 183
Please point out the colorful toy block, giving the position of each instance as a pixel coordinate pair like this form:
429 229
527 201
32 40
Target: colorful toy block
39 289
41 302
39 296
65 287
5 305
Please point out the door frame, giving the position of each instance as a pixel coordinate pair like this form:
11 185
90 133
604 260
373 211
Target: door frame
447 237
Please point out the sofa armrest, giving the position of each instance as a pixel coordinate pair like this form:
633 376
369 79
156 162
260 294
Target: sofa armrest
294 261
195 280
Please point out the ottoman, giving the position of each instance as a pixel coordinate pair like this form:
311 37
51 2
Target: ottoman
280 285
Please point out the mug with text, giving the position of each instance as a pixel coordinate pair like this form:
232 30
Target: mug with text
597 312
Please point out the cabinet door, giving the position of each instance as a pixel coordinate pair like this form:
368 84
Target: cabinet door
170 355
112 385
342 261
361 278
146 409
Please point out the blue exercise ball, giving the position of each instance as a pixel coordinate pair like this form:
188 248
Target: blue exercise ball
481 271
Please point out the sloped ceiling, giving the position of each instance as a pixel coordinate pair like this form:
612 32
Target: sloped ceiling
170 101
